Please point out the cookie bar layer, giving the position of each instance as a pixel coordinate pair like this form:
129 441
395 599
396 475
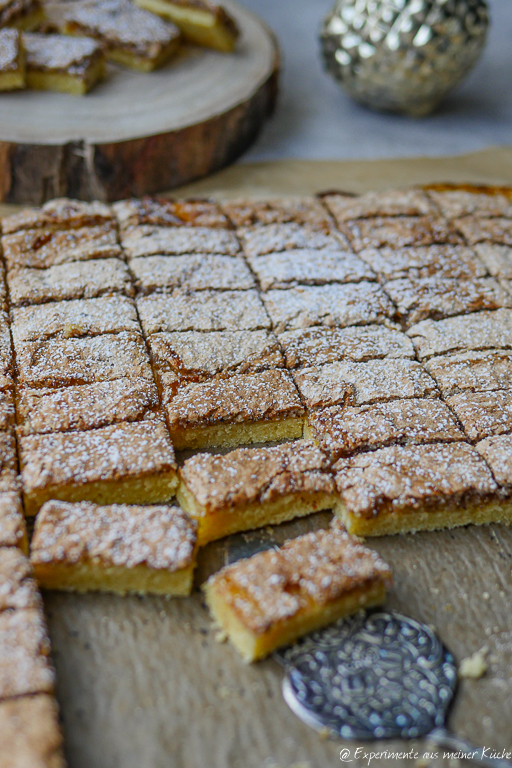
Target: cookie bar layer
73 319
455 203
30 733
12 522
252 487
477 230
192 273
471 371
160 212
18 590
24 654
390 202
453 261
348 383
274 238
482 330
317 346
296 210
309 267
438 297
126 463
414 488
343 431
203 311
59 214
398 232
12 60
483 414
244 408
356 304
274 597
77 280
61 63
177 241
84 547
88 406
43 248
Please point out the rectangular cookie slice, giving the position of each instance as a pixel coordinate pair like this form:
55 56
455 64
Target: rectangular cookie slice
398 232
59 214
483 414
317 346
147 240
271 599
482 330
197 272
129 463
30 733
497 452
21 14
203 311
78 280
18 590
25 665
478 230
244 408
8 463
455 203
453 261
390 202
292 210
121 549
415 488
43 248
13 532
130 36
471 371
332 305
348 383
74 319
12 60
343 431
252 487
439 297
275 238
201 22
163 212
61 63
497 259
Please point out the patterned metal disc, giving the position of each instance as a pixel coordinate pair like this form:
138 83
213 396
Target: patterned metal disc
375 675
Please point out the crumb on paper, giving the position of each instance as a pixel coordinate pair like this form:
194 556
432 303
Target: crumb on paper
221 635
475 666
224 692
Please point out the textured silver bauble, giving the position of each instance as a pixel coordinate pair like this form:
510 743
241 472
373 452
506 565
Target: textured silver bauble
403 55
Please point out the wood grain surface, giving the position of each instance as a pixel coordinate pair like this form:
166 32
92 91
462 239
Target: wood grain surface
140 133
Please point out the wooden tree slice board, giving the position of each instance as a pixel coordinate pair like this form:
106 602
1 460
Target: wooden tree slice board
140 133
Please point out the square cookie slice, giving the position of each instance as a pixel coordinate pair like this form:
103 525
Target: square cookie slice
61 63
252 487
271 599
297 210
162 212
30 734
59 214
12 60
85 547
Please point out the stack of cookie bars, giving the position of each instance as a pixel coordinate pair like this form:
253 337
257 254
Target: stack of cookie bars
369 339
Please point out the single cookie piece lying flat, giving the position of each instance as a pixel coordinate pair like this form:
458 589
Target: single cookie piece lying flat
60 63
274 597
84 547
282 210
390 202
252 487
12 60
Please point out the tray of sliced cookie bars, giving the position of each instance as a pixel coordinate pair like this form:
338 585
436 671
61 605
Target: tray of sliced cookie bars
176 373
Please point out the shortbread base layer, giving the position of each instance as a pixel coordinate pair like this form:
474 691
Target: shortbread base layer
142 63
94 577
216 525
197 26
12 81
431 518
64 82
28 22
254 646
131 490
217 435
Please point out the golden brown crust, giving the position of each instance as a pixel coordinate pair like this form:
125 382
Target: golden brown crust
18 590
301 210
454 261
24 654
59 214
159 537
391 202
317 568
160 212
147 240
30 733
12 521
399 232
190 273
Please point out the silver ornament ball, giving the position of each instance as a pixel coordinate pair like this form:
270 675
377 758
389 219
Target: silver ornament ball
403 55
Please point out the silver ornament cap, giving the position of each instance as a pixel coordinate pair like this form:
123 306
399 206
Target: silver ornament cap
403 55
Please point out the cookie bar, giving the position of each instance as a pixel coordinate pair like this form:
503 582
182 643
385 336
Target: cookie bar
84 547
203 311
244 408
497 259
453 261
29 733
146 240
60 63
87 406
59 214
398 232
483 202
293 210
275 238
274 597
12 522
161 212
390 202
131 463
130 36
12 60
7 413
354 304
479 331
439 297
41 248
8 463
18 590
497 452
413 488
347 383
471 371
191 273
200 21
483 414
477 230
343 431
25 666
317 346
307 266
21 14
252 487
77 280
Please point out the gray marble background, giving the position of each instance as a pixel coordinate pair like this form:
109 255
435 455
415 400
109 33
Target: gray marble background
316 120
